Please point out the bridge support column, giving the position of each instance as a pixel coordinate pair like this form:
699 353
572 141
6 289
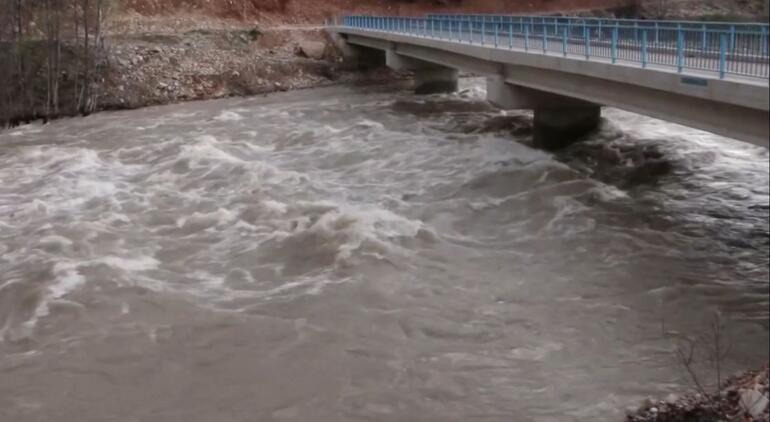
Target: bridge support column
559 121
429 78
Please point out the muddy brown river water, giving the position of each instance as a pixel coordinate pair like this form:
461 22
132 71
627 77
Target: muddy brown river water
343 254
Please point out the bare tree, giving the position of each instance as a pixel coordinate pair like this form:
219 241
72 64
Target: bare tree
51 54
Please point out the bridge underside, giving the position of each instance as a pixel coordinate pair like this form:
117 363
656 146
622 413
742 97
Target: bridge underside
559 120
566 94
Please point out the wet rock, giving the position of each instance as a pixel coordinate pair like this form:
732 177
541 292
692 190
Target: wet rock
611 154
649 171
311 49
754 403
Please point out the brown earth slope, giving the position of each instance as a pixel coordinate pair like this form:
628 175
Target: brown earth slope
308 11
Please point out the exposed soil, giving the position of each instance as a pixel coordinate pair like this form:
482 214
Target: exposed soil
315 11
713 10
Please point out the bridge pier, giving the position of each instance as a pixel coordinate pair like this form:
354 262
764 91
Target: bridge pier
559 120
429 78
362 58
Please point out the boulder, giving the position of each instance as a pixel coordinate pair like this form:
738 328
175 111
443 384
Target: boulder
311 49
754 403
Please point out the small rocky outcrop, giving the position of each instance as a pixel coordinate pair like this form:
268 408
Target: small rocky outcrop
742 398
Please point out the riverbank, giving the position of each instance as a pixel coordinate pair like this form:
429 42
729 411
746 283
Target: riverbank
154 64
149 68
742 398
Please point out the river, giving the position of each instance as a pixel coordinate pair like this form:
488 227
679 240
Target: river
361 254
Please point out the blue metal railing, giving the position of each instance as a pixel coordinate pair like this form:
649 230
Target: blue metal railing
714 47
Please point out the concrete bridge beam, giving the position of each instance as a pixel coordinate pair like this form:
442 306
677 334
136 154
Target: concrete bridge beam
559 120
429 78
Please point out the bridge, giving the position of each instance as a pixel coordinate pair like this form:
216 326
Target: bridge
710 76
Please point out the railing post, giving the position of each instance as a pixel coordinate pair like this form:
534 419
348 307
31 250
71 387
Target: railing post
764 40
644 48
532 26
657 33
470 31
636 32
732 38
497 34
600 30
564 42
679 49
545 38
704 39
483 29
526 38
587 42
722 55
510 34
614 47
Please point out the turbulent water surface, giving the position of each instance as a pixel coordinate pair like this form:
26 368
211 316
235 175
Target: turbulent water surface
338 255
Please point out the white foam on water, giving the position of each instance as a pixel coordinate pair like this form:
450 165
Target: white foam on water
275 207
536 353
200 221
228 116
68 278
207 147
140 263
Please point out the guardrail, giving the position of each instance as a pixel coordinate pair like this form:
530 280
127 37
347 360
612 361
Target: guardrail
721 48
641 23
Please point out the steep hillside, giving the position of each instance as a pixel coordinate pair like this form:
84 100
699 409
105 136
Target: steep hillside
309 11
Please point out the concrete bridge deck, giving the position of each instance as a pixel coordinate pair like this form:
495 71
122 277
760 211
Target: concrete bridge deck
560 77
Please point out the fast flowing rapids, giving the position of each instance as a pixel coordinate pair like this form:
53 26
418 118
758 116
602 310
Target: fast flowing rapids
339 255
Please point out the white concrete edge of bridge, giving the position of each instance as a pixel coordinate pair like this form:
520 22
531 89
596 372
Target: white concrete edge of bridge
747 92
